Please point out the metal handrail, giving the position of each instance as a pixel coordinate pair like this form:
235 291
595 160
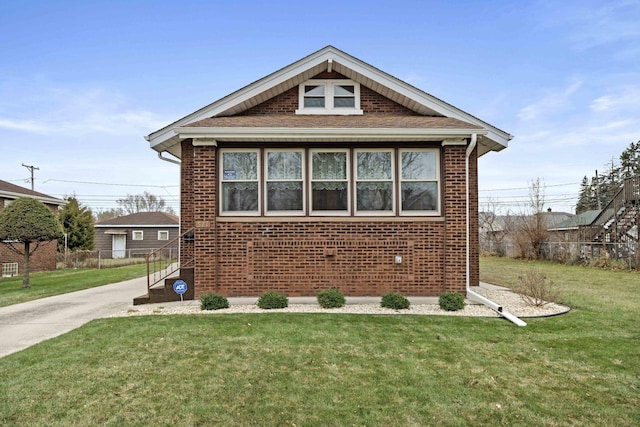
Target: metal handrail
164 261
629 192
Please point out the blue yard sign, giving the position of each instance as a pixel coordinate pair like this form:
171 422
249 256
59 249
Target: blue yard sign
180 287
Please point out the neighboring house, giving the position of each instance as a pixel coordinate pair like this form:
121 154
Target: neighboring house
499 233
575 229
44 258
136 234
329 173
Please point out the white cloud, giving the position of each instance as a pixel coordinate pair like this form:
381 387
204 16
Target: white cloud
620 99
551 102
76 111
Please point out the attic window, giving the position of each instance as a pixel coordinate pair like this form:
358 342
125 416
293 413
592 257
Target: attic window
339 97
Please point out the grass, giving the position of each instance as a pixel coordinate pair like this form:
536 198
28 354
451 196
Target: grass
280 369
49 283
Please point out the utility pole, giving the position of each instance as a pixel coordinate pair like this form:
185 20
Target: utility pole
31 169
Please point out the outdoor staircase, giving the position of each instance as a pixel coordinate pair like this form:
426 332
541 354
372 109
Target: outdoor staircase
619 220
163 270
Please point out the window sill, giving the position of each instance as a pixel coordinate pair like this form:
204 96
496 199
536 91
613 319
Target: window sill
330 219
327 112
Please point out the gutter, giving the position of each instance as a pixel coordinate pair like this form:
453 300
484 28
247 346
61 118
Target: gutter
175 162
471 294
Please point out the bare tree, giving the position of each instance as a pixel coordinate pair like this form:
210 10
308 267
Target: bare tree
493 228
144 202
530 230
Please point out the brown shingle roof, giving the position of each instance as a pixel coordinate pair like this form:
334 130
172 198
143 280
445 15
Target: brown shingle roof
320 121
7 187
142 218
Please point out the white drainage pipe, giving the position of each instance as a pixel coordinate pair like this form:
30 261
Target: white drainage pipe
472 294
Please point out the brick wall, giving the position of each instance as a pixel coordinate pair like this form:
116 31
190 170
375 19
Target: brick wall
370 102
187 218
43 259
300 256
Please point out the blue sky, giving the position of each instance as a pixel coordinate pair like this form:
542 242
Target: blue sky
82 82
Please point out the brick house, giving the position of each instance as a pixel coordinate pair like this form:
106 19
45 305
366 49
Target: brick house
136 234
44 258
329 173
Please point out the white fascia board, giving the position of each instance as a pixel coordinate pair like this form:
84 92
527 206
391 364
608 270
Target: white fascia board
157 138
50 200
240 96
421 97
338 134
136 226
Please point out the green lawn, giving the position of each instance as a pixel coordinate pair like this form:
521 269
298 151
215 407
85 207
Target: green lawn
49 283
278 369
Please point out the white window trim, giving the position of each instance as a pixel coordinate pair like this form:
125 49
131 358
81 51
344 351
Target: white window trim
9 269
222 180
346 212
393 180
302 179
160 232
134 234
329 85
437 180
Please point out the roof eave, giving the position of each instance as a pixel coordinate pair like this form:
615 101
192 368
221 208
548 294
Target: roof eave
321 134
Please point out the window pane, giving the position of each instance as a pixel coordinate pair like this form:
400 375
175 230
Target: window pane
344 90
419 165
314 102
329 196
374 165
344 102
240 166
239 196
314 90
284 196
284 165
374 196
419 196
329 165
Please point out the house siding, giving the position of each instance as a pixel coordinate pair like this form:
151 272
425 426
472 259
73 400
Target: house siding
103 242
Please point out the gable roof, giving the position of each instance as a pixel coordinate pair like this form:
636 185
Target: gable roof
12 191
581 220
490 138
140 219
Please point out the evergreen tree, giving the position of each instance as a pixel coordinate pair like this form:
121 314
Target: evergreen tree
630 161
603 187
77 222
587 199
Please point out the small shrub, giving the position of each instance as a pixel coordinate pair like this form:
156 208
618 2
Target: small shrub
272 299
331 298
213 301
535 290
395 301
451 301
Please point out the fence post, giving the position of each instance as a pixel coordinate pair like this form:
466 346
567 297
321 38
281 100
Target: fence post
99 259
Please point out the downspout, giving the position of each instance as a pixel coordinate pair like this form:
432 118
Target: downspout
471 294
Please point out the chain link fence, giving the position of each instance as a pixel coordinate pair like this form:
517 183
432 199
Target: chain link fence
105 258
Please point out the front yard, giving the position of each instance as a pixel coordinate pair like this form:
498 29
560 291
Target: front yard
581 368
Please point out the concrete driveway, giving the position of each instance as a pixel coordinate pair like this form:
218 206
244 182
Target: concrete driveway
26 324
